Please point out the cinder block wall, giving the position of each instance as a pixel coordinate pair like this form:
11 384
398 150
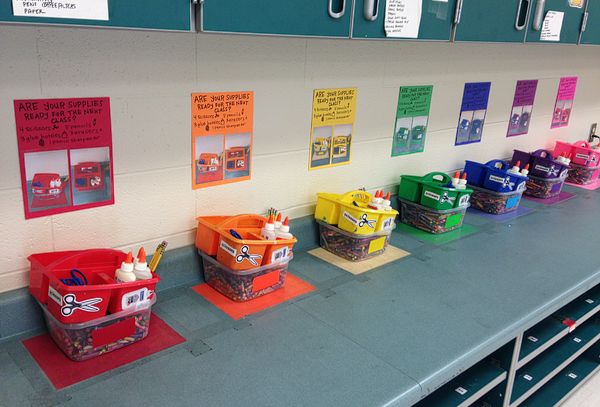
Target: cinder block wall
149 77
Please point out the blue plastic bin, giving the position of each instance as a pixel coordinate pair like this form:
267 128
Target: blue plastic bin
500 180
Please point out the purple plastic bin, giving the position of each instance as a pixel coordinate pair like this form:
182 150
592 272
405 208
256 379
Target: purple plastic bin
541 164
522 156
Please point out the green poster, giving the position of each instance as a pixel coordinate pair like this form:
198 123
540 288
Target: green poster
411 119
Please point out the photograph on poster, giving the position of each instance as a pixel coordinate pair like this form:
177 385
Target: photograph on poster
47 178
341 144
209 158
237 155
90 175
321 146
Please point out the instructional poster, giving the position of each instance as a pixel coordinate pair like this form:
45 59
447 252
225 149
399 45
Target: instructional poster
472 112
412 117
222 125
332 127
564 102
65 154
520 116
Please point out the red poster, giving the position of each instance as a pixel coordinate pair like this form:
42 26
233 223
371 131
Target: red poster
65 153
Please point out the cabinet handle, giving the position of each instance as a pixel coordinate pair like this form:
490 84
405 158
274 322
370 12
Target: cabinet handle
339 14
538 17
521 21
371 10
584 22
458 12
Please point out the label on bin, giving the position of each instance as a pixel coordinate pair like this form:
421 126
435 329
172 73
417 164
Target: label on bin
527 377
582 156
377 244
572 375
52 293
577 340
135 298
461 390
464 200
532 339
432 195
552 170
266 280
280 254
504 181
227 248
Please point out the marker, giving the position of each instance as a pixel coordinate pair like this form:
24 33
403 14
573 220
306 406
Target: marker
235 234
157 256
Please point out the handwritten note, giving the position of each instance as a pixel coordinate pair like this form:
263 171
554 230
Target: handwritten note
552 26
332 127
65 153
76 9
222 126
402 18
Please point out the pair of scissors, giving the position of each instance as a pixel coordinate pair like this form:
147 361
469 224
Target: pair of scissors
364 221
244 255
71 304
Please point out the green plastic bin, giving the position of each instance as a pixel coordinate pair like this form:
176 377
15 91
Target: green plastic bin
410 188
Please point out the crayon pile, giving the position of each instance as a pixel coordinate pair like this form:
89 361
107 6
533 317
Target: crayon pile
243 286
495 202
430 220
78 344
582 175
544 188
352 247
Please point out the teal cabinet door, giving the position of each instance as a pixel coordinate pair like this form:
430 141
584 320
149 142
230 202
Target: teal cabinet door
571 25
321 18
436 19
143 14
591 33
492 20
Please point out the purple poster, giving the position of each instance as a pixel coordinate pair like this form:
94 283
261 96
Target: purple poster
564 102
472 112
520 116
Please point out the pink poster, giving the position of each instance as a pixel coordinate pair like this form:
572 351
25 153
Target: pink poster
65 154
564 102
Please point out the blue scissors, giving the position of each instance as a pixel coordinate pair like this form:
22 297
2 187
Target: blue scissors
71 304
244 255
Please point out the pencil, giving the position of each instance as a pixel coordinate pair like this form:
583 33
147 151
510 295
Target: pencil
157 256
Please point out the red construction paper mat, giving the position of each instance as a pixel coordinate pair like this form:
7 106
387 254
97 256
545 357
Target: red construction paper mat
64 372
292 288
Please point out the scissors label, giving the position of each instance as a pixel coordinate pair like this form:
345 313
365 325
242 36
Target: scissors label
70 305
230 250
246 255
52 293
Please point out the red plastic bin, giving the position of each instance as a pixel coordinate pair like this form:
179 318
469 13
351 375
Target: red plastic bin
71 304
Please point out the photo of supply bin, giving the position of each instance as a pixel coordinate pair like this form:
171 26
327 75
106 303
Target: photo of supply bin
244 285
544 188
580 152
47 186
88 176
350 212
541 164
493 202
430 220
96 337
350 246
237 243
79 286
582 175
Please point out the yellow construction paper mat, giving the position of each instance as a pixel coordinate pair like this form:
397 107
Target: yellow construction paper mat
391 254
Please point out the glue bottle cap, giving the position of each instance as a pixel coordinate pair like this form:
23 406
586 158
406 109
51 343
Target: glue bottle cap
127 265
141 263
457 175
270 225
285 226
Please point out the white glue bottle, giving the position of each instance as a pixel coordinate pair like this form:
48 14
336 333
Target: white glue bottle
456 180
386 206
516 169
462 182
125 273
268 231
278 221
140 269
284 230
374 201
525 170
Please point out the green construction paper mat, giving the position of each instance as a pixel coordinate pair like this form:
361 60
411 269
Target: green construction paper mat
442 238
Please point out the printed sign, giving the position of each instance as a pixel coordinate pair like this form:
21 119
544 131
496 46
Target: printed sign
65 154
135 298
222 126
552 26
75 9
520 116
332 127
472 112
412 118
564 102
402 18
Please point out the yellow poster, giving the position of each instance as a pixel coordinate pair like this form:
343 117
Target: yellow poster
332 127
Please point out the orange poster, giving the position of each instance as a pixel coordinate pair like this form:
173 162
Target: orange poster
221 137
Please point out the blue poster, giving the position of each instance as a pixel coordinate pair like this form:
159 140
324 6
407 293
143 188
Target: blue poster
472 112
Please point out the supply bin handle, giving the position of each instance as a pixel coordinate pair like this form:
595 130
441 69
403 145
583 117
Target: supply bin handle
339 14
371 10
538 17
521 21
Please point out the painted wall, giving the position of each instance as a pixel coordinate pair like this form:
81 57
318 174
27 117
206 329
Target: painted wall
149 78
